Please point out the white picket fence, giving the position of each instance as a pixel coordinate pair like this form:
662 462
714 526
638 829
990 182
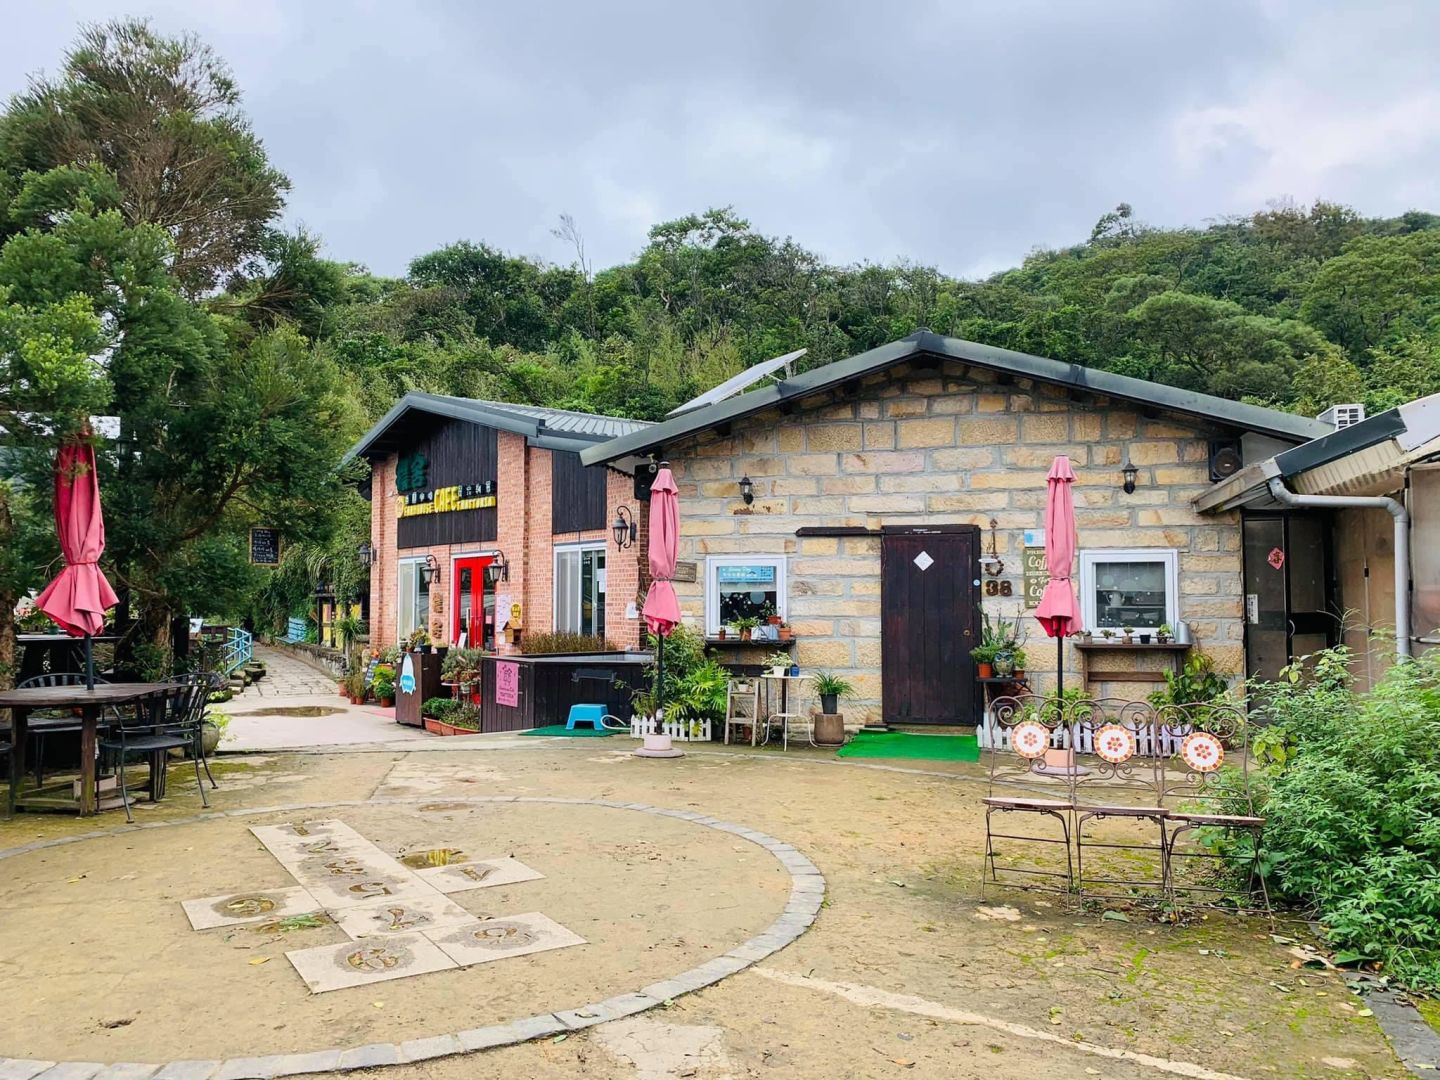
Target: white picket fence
679 730
1146 742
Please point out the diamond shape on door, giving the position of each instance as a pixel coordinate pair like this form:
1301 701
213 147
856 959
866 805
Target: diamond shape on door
923 560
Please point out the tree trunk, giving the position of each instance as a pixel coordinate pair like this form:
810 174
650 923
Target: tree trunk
7 594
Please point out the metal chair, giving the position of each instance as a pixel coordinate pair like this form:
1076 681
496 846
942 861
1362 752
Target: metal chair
173 723
1017 732
1119 777
211 681
44 722
1210 795
742 707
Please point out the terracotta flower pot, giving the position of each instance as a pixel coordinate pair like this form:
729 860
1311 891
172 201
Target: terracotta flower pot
387 702
985 670
744 635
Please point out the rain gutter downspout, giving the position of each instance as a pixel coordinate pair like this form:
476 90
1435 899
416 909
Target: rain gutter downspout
1397 511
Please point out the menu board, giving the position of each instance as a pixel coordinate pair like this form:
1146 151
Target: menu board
265 547
507 683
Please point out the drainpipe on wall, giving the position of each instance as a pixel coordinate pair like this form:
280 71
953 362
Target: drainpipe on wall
1397 511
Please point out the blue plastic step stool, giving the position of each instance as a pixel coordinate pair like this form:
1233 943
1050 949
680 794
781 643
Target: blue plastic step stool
586 714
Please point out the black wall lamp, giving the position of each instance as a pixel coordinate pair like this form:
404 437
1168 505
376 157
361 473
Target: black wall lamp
430 572
497 570
624 530
747 490
365 555
1130 472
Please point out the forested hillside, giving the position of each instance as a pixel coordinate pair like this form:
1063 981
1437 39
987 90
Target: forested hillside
1299 308
145 273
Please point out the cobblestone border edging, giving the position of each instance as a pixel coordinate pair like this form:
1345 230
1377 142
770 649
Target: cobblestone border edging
807 891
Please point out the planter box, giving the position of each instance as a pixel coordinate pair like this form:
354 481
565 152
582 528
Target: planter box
829 729
439 727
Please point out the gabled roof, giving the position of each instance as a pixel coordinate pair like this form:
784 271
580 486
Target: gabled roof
1368 458
550 429
923 343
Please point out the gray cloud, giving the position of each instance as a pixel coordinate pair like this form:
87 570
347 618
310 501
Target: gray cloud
954 134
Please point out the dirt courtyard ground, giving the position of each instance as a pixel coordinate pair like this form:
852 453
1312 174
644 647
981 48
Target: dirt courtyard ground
907 971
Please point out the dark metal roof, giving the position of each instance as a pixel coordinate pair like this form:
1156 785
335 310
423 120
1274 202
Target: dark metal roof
1337 444
550 429
923 343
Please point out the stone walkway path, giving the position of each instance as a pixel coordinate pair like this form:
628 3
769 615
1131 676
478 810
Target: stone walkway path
286 677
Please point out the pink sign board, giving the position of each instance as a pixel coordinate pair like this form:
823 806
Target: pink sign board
507 683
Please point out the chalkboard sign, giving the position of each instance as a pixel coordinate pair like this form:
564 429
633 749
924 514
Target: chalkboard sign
265 547
370 671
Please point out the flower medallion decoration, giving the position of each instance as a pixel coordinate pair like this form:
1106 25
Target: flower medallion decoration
1202 751
1030 739
1115 743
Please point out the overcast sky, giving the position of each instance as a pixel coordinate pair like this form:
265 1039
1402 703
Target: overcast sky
957 134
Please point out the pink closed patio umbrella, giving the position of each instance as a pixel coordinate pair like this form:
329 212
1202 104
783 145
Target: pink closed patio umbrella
79 596
662 608
1059 610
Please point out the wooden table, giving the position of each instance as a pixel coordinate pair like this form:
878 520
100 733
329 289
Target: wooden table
90 703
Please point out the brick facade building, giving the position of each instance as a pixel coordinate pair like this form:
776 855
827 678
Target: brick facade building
504 460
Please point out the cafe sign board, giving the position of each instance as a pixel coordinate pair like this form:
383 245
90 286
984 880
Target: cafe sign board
265 546
447 499
1036 569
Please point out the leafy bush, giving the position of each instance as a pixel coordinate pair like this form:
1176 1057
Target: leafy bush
384 684
684 652
1197 683
461 665
1350 790
700 695
465 716
439 708
545 644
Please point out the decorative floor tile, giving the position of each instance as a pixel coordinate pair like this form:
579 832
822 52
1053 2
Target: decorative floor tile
360 963
481 874
389 917
248 907
356 890
495 939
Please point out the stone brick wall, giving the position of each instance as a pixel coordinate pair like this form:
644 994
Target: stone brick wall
952 445
523 514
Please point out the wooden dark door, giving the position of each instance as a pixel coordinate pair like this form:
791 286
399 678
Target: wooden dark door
929 606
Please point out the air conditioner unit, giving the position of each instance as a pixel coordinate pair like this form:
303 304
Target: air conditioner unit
1342 416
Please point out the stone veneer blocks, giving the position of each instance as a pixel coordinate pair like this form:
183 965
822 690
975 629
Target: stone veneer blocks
807 895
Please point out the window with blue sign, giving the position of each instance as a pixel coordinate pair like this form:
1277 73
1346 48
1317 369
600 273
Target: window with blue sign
743 587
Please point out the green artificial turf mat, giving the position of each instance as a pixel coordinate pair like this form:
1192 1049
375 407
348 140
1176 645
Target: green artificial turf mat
904 744
586 732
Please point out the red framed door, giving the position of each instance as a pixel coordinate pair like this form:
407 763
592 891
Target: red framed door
473 605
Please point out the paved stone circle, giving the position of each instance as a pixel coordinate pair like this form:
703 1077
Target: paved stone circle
807 891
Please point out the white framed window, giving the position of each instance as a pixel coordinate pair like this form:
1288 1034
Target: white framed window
412 602
1134 587
580 589
743 586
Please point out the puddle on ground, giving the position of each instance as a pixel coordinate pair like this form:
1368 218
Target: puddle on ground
446 856
294 710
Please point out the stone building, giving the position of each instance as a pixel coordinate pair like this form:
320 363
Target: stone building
882 504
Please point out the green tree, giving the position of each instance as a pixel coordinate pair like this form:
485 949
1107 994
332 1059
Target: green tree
162 116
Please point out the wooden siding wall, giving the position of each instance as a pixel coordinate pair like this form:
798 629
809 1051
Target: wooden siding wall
457 452
577 495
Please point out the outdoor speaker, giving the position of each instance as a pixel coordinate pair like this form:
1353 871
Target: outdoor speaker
1225 459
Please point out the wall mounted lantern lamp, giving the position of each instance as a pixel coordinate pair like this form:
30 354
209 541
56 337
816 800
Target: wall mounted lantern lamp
624 530
1130 472
497 570
430 572
366 555
747 490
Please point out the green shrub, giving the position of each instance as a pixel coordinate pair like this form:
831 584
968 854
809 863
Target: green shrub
1350 789
439 708
545 644
465 716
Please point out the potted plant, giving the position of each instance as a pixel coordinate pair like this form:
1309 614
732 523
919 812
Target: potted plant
419 641
439 714
771 616
1107 634
384 685
830 689
1129 632
1019 658
745 625
984 657
785 633
355 685
212 730
1164 634
778 663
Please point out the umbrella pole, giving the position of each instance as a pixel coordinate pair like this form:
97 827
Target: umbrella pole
659 684
89 662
